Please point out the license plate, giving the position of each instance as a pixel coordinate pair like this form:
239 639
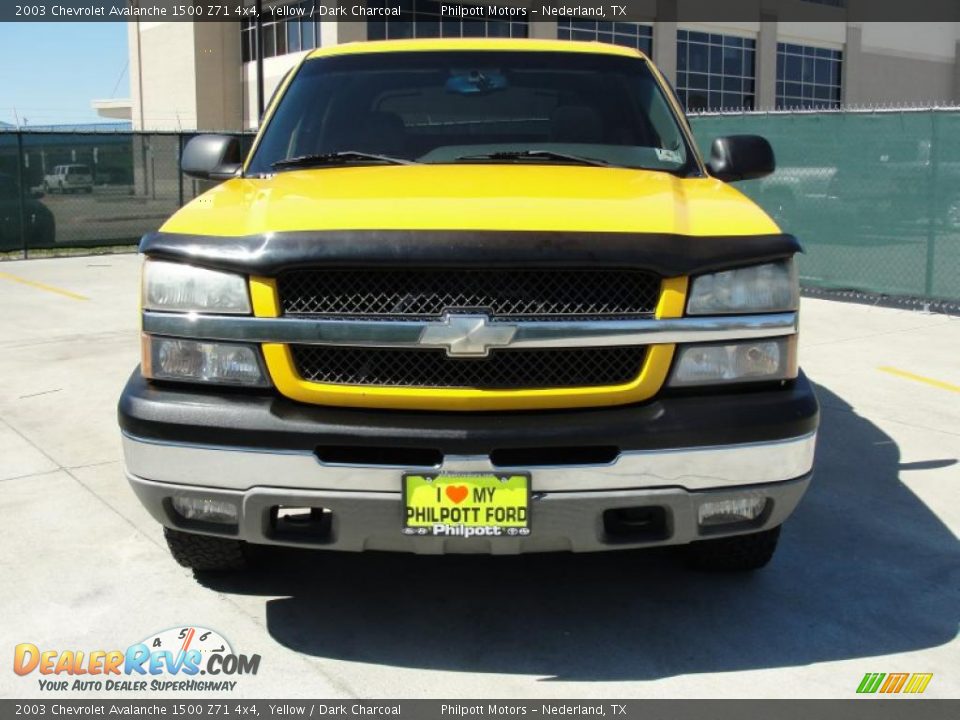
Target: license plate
466 504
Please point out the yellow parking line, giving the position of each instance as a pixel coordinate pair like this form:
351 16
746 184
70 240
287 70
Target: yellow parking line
42 286
920 378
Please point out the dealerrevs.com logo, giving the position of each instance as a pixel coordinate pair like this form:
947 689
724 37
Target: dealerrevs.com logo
190 659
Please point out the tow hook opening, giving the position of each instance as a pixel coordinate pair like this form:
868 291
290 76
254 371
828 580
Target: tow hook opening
301 523
646 523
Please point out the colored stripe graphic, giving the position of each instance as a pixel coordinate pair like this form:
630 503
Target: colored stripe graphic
918 683
894 682
870 682
913 683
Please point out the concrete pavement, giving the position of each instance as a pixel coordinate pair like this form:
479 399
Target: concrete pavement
867 578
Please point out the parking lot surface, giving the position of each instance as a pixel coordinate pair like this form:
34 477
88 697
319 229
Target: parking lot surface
867 578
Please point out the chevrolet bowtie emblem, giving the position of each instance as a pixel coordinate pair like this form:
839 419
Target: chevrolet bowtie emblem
468 335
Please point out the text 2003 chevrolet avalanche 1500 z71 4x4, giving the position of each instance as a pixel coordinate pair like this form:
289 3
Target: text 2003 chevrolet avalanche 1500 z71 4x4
471 296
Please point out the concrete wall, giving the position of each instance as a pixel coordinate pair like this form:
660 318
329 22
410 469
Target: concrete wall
218 75
901 63
884 79
185 76
163 76
913 63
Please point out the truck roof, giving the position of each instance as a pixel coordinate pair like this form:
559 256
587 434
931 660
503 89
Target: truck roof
512 44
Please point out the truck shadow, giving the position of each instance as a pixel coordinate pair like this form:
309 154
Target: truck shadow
863 569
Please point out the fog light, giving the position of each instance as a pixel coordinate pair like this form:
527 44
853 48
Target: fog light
728 512
205 509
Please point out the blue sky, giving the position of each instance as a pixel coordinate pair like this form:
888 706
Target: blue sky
51 71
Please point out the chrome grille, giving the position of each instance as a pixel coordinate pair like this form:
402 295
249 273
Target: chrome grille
501 369
502 294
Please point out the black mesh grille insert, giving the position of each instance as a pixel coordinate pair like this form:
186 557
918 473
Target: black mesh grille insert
500 293
502 369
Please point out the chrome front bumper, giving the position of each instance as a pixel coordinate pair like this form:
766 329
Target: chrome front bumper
365 503
694 468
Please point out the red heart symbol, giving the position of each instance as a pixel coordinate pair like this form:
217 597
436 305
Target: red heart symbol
457 493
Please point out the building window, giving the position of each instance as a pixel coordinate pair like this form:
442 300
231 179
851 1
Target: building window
422 18
715 72
281 35
807 77
631 34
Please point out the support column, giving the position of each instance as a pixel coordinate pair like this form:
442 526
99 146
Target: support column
543 29
665 39
218 80
956 72
850 70
766 68
343 32
665 49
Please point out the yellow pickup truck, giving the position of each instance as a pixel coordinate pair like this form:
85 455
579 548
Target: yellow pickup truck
471 296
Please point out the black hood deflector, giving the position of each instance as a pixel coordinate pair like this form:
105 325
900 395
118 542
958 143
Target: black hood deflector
667 254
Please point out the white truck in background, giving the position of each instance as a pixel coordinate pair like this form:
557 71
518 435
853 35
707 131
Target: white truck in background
74 177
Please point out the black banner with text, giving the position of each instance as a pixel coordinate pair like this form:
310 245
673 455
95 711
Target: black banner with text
530 10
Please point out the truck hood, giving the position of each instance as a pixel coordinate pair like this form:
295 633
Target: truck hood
472 197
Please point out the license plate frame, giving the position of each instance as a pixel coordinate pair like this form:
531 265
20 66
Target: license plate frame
457 525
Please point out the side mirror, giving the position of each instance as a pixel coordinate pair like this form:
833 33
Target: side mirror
212 157
741 157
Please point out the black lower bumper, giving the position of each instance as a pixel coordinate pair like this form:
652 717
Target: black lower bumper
166 413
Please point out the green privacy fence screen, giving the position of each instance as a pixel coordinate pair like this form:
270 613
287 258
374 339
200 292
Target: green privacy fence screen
873 196
61 190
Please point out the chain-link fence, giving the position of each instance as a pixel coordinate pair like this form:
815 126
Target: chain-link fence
873 196
76 189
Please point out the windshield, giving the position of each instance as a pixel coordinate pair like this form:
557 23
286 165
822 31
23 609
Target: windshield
475 106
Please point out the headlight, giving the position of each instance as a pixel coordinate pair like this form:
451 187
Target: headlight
208 362
771 287
749 361
184 288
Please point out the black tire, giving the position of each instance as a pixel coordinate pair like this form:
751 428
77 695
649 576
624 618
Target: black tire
205 552
738 553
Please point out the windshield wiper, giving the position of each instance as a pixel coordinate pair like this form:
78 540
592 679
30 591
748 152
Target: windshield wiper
343 157
515 155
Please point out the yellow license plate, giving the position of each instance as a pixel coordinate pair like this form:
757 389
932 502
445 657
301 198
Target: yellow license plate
466 504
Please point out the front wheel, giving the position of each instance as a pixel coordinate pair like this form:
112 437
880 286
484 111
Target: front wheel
205 552
738 553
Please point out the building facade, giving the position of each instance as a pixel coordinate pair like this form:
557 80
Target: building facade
204 75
